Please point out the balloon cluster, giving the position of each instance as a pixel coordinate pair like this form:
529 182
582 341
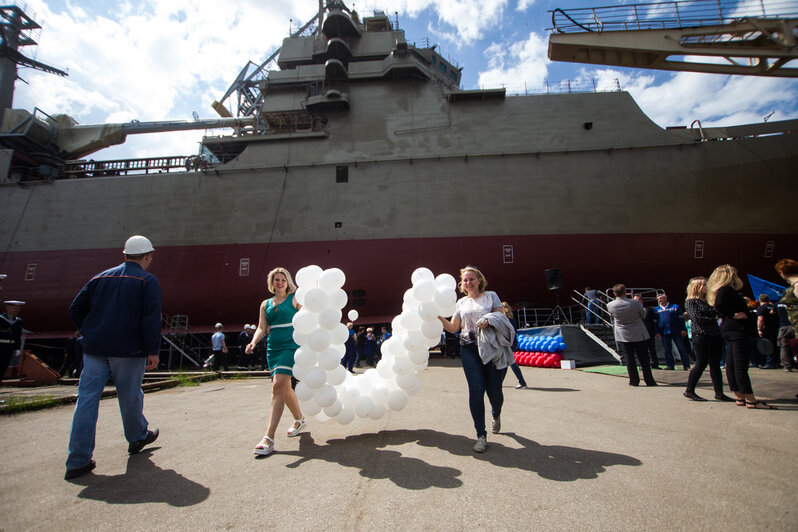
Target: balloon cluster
539 351
325 389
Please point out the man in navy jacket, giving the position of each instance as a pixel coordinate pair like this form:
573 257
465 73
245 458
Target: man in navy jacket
119 314
669 324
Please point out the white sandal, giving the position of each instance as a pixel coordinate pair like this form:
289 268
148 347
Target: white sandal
294 431
264 449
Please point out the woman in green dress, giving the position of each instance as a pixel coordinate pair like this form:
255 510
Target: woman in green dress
276 314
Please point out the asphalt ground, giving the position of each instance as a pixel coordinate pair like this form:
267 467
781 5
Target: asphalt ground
577 451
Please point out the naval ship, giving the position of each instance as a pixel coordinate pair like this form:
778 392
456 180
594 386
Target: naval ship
357 149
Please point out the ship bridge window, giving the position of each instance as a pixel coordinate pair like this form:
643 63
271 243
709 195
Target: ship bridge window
342 174
453 76
432 60
442 68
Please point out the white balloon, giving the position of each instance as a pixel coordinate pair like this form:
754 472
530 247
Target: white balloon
418 368
352 315
308 276
299 295
310 408
448 310
339 334
418 356
321 416
384 369
364 407
423 290
304 321
300 338
346 416
414 340
407 381
432 330
319 340
409 298
338 299
388 346
349 396
329 359
329 318
445 280
336 376
402 366
444 296
397 400
299 372
316 300
331 280
410 320
334 409
339 348
315 378
379 394
305 357
303 392
422 274
377 411
428 311
326 395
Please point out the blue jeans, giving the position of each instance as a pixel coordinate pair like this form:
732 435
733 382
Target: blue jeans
127 373
592 316
678 339
482 379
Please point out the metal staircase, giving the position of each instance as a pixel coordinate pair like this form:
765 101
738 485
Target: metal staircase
182 344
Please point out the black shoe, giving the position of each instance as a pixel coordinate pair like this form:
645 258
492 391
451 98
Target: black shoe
668 368
137 446
723 397
78 471
693 396
632 384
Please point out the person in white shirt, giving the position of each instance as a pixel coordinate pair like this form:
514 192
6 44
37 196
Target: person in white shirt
482 377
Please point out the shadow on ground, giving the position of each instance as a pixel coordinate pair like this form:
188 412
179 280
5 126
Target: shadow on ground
371 454
143 482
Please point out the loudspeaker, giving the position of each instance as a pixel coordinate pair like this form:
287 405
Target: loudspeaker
553 279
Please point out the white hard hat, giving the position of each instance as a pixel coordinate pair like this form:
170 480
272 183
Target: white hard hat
218 325
13 302
138 245
247 326
3 276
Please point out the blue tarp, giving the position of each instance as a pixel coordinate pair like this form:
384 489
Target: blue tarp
760 286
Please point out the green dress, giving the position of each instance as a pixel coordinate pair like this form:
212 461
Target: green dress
280 346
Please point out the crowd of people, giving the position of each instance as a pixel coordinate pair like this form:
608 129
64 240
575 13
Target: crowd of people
722 325
118 313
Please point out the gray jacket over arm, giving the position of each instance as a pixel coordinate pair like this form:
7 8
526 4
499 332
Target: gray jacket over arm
496 340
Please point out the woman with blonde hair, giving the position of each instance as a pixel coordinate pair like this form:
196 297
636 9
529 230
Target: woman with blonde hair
482 377
706 340
736 328
275 317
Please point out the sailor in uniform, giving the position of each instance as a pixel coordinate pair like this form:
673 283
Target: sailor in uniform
10 333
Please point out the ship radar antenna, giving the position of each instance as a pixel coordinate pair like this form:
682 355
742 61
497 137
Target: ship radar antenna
769 115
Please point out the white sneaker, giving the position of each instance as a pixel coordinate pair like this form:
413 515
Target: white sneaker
481 445
496 427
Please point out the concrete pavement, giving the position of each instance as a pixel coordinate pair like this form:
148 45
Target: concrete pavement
577 451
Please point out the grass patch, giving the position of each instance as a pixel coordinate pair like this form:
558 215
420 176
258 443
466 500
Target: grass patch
235 376
186 380
15 405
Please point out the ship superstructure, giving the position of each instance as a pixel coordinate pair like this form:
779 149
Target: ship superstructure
365 154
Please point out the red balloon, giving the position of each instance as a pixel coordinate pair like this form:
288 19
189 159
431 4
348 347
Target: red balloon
539 362
557 363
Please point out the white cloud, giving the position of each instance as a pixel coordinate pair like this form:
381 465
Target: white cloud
524 4
520 67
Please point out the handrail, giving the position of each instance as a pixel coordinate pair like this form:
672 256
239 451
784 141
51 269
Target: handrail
664 15
601 343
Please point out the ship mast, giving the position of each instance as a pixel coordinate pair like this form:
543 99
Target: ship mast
15 29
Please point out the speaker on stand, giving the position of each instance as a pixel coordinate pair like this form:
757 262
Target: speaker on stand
554 282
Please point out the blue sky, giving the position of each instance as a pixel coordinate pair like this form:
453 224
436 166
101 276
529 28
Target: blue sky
166 59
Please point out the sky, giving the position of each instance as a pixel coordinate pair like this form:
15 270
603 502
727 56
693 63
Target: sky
153 60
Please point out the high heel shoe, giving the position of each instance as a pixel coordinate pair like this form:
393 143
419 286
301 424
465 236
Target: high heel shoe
300 424
265 447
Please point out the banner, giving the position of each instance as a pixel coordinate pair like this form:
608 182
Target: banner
760 286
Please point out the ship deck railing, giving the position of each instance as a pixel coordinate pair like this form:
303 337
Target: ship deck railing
122 167
667 15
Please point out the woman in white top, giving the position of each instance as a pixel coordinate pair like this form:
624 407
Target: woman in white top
482 378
